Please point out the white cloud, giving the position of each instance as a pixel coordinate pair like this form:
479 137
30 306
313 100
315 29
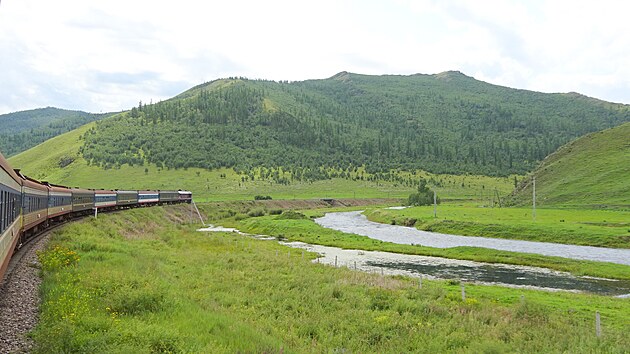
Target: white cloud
104 55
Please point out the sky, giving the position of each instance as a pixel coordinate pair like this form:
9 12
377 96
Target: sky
107 55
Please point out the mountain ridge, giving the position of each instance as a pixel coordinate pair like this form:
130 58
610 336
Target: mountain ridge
22 130
443 123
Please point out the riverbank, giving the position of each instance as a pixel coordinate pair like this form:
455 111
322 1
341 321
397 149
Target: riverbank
306 230
142 281
599 228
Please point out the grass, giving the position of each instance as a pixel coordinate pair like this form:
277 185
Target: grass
603 228
138 281
590 172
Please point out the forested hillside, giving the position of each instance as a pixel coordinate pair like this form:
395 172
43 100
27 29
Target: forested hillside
20 131
444 123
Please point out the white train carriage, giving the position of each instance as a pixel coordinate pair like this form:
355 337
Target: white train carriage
104 199
148 197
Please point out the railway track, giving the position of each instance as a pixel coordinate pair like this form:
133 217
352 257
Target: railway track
19 295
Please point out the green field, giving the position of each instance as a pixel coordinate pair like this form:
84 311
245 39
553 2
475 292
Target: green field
58 161
139 281
604 228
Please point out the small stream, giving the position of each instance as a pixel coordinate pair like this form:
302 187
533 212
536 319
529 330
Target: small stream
468 271
356 223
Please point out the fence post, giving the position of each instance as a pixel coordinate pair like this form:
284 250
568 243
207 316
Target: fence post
598 324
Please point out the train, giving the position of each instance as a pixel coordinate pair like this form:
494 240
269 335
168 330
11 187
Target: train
28 206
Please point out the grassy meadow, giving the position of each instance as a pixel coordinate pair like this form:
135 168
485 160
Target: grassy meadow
145 281
590 172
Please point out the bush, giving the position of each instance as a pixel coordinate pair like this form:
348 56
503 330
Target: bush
262 197
240 216
256 212
291 215
424 196
275 211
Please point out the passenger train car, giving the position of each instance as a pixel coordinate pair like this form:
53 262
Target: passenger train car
28 206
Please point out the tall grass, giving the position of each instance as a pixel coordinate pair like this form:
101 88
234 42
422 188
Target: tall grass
143 283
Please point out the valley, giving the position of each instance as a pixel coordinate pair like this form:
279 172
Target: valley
270 158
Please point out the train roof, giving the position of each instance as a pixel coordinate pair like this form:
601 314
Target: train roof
31 182
104 191
82 190
57 188
4 164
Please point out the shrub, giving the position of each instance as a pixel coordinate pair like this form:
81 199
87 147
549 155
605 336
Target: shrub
256 212
424 196
262 197
291 215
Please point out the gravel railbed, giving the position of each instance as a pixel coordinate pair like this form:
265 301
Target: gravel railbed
19 301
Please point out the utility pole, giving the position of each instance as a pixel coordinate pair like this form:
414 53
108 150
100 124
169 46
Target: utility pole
534 198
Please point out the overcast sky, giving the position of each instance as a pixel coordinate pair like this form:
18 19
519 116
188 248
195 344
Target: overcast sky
106 55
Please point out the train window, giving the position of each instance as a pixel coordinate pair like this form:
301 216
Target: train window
3 210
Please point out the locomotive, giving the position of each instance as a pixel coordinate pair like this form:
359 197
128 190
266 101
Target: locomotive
28 206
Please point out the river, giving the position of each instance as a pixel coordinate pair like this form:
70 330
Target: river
355 222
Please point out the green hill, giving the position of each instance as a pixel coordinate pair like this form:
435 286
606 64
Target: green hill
592 171
444 123
58 160
20 131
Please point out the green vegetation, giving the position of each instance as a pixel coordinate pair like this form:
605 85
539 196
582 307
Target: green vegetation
423 196
603 228
321 129
49 162
590 172
305 230
135 282
20 131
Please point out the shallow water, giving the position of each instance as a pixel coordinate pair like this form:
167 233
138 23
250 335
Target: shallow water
357 223
442 268
468 271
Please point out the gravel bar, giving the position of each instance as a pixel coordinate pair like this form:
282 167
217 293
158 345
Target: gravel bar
19 300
